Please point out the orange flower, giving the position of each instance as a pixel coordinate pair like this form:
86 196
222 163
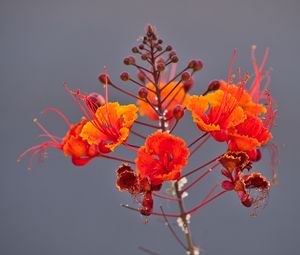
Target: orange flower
71 144
174 94
162 158
244 98
248 135
111 125
216 112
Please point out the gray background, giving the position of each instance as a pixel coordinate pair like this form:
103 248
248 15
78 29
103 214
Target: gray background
59 209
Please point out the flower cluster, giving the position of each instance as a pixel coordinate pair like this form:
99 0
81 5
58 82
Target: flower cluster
231 112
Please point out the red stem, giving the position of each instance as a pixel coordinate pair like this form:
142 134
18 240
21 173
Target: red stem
200 167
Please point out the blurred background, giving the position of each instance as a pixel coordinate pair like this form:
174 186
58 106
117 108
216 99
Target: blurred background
59 209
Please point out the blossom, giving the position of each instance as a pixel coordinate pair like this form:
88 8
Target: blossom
162 158
216 112
110 126
173 94
234 159
243 184
248 135
72 145
245 100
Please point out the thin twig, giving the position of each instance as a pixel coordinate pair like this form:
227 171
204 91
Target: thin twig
147 251
172 230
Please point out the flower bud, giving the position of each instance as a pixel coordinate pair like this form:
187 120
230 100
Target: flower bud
143 93
144 56
213 85
141 46
178 112
169 48
124 76
95 100
172 53
160 41
196 65
141 76
174 59
187 85
129 60
104 78
185 76
160 66
159 48
135 50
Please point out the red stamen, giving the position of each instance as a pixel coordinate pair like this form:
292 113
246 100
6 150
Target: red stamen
200 177
205 202
59 113
165 197
200 167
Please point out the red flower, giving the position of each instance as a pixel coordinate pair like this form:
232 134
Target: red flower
248 135
71 144
243 184
162 158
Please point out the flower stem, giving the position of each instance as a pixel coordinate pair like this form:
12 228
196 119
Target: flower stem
162 121
183 216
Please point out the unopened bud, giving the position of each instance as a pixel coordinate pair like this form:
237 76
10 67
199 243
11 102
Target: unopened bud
150 30
159 48
141 46
143 93
160 41
129 60
160 66
213 85
174 59
144 56
198 65
141 76
185 76
104 79
187 85
135 50
124 76
169 48
178 112
95 100
172 53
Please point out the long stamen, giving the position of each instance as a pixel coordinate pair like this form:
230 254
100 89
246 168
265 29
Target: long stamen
59 113
205 202
35 120
201 167
200 177
152 213
165 197
200 145
198 139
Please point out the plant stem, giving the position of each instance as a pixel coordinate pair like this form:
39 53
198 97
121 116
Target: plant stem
183 215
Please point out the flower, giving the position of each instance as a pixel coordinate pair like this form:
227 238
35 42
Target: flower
216 112
244 99
172 95
162 158
248 135
234 159
243 184
110 126
71 144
